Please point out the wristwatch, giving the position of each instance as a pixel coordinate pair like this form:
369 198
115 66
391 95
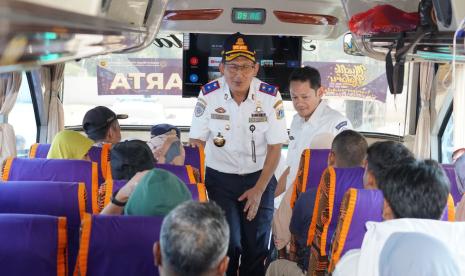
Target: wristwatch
115 201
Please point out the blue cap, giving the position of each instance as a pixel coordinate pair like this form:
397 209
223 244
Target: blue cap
162 129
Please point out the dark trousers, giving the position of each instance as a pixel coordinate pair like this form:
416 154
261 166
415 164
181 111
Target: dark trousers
248 239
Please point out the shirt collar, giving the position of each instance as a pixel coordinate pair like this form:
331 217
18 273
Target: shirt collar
318 113
250 94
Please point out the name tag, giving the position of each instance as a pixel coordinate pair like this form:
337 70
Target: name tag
258 115
258 119
219 116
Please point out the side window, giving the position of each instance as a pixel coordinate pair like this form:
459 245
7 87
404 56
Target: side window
23 120
447 141
356 86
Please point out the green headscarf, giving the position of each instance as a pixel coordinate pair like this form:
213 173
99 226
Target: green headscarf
157 193
69 144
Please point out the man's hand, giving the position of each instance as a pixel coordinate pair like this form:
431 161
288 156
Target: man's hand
281 187
253 196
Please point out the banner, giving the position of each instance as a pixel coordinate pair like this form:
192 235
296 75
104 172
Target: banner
352 80
139 76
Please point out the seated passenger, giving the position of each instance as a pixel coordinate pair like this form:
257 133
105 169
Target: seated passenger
416 254
417 189
380 157
68 144
194 240
412 189
101 125
149 193
166 145
126 159
348 149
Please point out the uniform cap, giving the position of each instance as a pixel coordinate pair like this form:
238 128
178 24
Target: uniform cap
237 45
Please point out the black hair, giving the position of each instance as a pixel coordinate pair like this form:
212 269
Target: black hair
381 156
416 189
130 157
350 148
309 74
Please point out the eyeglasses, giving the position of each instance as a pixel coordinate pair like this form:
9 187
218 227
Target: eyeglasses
234 68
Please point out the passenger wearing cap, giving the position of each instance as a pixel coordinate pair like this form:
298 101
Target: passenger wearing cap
240 120
166 145
149 193
126 159
101 125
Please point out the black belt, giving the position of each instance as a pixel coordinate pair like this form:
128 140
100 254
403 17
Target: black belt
235 174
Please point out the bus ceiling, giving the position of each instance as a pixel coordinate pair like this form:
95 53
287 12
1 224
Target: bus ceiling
41 32
323 19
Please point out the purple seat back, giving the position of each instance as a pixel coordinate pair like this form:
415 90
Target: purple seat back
40 169
358 207
111 186
449 211
184 173
118 184
39 150
101 155
345 179
318 163
63 199
454 190
32 245
333 185
196 158
118 245
198 191
95 154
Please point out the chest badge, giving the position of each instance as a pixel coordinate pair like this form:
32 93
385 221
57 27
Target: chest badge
258 115
220 110
219 140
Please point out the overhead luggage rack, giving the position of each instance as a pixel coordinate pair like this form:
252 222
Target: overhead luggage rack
435 46
32 34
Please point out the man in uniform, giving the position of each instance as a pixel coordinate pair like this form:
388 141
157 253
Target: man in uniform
314 123
241 121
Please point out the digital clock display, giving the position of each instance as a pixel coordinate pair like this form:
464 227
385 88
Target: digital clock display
248 16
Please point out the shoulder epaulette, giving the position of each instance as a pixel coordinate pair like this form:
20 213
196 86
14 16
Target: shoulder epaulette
341 125
268 89
210 87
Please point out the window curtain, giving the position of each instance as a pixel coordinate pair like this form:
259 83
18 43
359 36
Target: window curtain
52 86
459 110
9 88
422 145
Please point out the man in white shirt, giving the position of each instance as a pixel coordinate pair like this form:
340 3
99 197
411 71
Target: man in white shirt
241 121
315 122
411 189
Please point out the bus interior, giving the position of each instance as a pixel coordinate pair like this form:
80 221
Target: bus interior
149 58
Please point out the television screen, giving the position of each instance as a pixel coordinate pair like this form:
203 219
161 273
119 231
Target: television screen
277 56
